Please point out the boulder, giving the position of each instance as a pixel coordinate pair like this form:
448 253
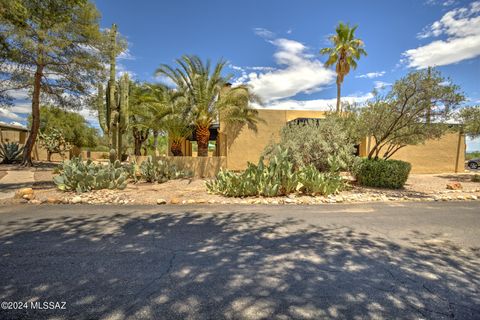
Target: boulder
76 199
22 192
28 196
53 200
161 201
175 201
454 186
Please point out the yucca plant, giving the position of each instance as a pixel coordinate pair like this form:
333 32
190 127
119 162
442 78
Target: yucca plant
10 152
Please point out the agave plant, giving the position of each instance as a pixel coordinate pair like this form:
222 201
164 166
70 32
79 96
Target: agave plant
10 152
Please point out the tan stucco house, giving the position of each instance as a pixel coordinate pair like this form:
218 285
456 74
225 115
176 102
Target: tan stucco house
237 146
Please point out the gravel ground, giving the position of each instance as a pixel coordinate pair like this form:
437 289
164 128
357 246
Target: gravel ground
418 187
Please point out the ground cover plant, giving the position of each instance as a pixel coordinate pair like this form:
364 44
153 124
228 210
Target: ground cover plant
161 171
276 178
82 176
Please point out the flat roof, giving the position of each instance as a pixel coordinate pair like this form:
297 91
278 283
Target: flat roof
12 127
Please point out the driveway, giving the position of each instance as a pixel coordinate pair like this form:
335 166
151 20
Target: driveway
390 261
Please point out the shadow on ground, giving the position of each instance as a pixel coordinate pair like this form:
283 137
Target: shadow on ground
233 266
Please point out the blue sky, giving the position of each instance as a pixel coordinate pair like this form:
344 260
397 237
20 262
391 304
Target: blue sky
273 44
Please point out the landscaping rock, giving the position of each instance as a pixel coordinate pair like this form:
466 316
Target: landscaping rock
201 201
473 197
454 186
53 200
35 201
76 199
22 192
175 201
161 201
28 196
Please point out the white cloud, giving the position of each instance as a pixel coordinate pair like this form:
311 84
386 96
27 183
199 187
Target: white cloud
445 3
5 113
126 55
461 27
166 81
21 108
371 75
299 72
20 94
314 104
379 85
264 33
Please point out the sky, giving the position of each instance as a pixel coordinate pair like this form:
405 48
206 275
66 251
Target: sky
273 45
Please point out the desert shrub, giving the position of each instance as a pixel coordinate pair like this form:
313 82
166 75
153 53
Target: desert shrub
82 176
278 177
10 152
161 171
381 173
317 142
476 178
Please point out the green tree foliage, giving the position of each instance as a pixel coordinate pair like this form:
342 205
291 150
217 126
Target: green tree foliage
52 44
402 117
344 53
207 94
470 118
71 125
321 143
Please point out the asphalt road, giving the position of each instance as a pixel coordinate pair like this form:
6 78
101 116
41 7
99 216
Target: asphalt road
370 261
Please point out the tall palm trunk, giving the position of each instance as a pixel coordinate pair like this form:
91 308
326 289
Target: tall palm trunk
32 137
339 85
203 136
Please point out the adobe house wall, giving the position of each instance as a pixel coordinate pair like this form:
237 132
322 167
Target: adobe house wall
242 145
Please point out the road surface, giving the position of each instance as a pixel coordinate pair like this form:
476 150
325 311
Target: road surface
390 261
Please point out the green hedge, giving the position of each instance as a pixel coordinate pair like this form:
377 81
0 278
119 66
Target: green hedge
391 174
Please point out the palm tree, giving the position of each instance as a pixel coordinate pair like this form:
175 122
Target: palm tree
207 94
345 52
168 114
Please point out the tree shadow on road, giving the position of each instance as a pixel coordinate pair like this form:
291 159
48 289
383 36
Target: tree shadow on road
229 266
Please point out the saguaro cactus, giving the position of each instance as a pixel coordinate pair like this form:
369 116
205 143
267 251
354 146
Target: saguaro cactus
113 104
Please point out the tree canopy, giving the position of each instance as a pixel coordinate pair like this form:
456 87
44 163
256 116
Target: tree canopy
54 50
416 109
71 125
470 118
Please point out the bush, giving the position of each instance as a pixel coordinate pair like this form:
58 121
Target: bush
391 174
275 179
83 176
317 142
161 171
10 152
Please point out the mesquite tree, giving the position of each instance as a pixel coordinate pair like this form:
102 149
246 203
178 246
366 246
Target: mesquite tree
399 118
52 46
